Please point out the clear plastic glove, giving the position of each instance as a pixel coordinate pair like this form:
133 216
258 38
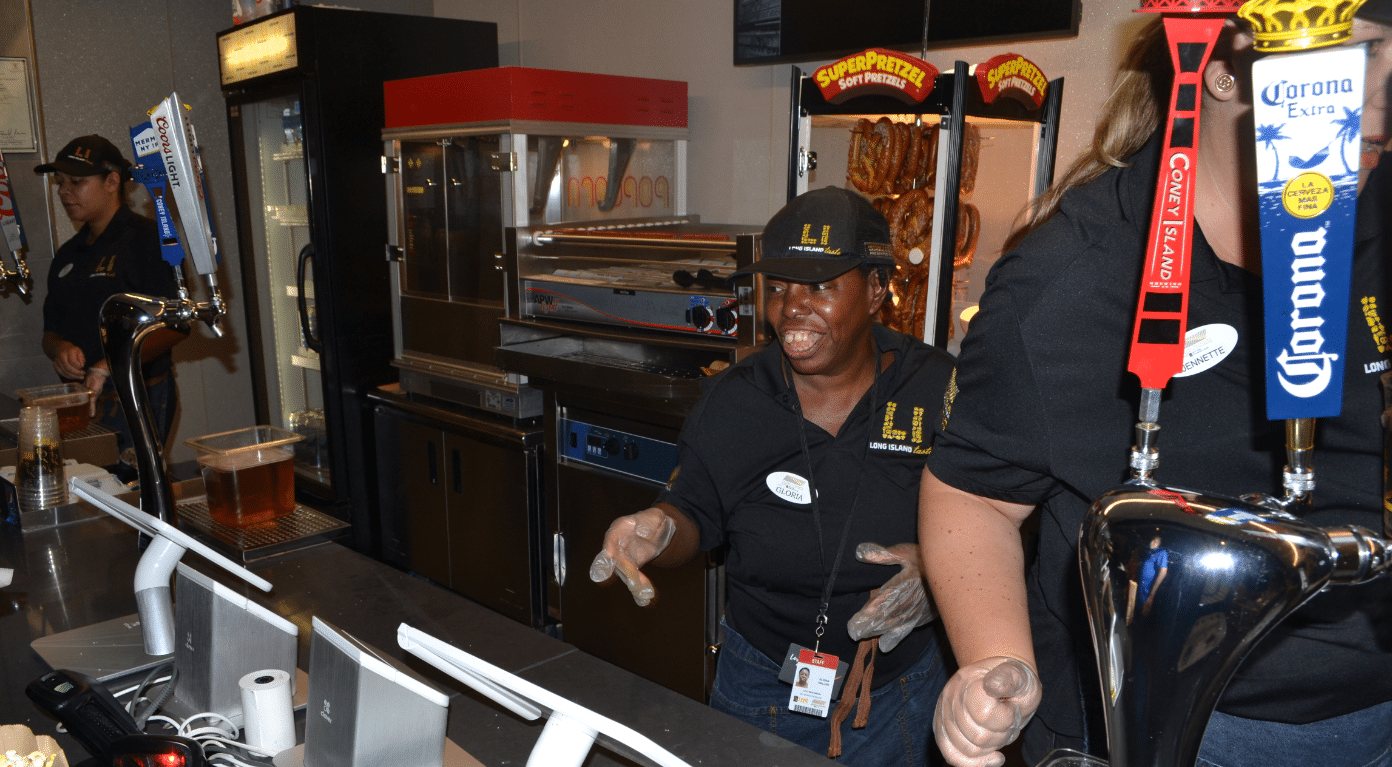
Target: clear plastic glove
901 604
94 381
633 541
983 708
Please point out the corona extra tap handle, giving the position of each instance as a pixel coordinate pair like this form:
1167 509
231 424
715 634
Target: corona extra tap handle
1307 206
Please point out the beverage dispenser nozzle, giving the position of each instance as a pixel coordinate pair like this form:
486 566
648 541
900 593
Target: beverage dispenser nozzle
1145 457
18 276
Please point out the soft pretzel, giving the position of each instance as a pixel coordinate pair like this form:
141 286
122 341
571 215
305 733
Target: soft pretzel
911 221
971 157
860 164
913 158
968 231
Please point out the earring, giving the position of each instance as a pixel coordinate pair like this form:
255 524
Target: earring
1224 82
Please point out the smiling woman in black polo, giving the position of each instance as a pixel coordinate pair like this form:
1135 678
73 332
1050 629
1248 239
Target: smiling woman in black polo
832 423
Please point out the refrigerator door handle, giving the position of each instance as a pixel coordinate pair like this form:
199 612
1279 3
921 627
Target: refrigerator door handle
311 342
558 558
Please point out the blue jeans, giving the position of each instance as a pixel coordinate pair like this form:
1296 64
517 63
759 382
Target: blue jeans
900 730
1360 739
164 398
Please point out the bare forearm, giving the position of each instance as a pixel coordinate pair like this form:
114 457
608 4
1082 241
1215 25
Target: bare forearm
974 563
159 342
53 344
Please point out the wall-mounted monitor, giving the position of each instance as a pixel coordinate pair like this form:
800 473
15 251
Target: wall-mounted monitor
778 31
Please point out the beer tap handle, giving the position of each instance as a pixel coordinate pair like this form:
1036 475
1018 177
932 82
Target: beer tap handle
1298 476
18 276
1145 457
211 311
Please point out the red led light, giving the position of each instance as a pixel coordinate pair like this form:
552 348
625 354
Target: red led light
169 760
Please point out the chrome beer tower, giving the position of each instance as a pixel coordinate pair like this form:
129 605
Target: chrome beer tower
128 319
1246 567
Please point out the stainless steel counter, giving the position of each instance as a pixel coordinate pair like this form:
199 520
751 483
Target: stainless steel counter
75 575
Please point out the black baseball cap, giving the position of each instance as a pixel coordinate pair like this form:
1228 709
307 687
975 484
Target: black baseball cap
1376 10
87 156
821 235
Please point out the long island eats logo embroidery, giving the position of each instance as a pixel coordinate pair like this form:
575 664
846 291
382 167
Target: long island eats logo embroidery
897 440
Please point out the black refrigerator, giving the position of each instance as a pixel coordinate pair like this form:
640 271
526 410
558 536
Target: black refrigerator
305 114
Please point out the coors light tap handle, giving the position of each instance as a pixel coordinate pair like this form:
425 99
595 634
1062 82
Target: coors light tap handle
178 151
1157 340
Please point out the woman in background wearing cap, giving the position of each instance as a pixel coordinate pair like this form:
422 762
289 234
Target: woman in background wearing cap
830 424
115 251
1043 417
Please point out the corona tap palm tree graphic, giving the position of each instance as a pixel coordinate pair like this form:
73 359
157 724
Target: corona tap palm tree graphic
1269 135
1349 132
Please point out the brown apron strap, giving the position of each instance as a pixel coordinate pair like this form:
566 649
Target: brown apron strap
857 687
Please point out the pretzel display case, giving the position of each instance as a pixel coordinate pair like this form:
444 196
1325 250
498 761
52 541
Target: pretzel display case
951 161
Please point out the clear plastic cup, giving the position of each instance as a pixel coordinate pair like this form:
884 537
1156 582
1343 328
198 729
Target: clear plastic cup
39 479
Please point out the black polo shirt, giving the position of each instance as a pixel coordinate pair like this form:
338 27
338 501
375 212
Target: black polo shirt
737 447
1044 415
124 259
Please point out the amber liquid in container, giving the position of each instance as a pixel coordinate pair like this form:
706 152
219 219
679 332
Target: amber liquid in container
73 418
249 488
69 400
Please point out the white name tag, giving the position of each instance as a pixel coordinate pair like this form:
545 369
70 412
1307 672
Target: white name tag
789 487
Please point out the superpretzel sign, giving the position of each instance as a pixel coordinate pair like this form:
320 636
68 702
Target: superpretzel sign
1307 110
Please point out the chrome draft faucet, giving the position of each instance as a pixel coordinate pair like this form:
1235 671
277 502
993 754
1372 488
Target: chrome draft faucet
1180 586
127 319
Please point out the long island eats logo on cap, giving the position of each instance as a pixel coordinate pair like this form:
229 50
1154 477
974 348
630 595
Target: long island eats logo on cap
876 72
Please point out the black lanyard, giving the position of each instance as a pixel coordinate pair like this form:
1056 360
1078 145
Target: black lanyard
828 582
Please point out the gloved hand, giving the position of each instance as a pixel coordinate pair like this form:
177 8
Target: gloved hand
633 541
94 381
983 708
899 606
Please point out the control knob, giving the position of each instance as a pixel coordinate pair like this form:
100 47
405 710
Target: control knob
726 318
701 317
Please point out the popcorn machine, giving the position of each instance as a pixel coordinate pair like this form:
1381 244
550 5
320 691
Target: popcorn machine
518 147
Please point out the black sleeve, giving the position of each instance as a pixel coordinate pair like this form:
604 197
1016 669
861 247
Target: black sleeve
991 439
52 306
692 489
148 272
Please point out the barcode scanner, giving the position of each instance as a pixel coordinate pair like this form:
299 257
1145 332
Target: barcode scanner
86 708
